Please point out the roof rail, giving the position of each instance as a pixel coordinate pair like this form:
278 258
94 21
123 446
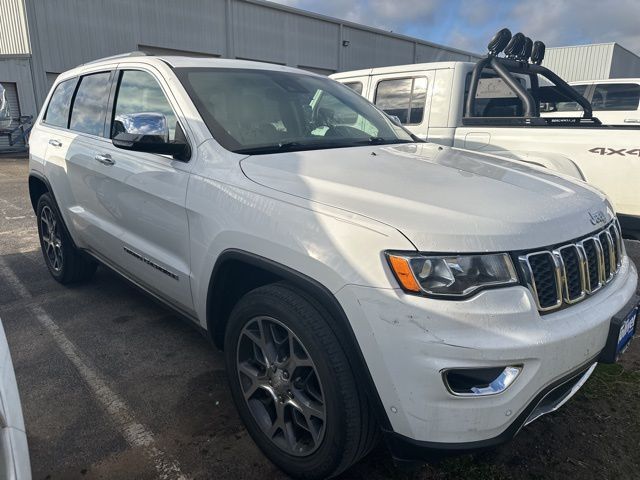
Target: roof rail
135 53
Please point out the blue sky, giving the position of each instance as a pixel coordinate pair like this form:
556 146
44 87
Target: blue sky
468 24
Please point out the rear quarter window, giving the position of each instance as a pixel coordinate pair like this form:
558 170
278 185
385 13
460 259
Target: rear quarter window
616 96
57 113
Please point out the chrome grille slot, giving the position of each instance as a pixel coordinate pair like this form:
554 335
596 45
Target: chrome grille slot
567 274
592 254
617 244
574 282
544 279
607 254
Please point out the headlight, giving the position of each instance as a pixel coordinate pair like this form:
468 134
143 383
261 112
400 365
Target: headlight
451 275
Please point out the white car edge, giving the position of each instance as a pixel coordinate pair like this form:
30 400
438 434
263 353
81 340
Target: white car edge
14 451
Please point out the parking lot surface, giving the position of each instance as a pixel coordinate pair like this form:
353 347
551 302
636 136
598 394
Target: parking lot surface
114 385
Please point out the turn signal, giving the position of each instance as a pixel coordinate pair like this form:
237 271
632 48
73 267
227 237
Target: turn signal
402 271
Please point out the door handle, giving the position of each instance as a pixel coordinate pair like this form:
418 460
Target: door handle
632 120
105 159
55 143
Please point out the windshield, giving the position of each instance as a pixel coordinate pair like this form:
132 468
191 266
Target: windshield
264 111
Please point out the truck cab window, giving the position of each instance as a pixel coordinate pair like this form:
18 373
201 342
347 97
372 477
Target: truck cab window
494 98
616 96
355 86
403 98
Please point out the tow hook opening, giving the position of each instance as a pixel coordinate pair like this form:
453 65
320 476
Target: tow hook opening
480 382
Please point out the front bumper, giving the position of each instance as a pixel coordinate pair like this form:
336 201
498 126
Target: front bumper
408 341
550 399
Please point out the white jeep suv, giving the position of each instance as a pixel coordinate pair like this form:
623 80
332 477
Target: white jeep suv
361 282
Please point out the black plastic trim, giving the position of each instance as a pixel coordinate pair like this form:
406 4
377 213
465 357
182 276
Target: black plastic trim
341 327
630 226
405 449
610 354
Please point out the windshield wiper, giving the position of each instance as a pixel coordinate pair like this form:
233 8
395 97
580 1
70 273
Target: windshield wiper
318 145
280 147
381 141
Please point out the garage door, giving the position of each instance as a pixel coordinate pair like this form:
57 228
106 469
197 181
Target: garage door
11 94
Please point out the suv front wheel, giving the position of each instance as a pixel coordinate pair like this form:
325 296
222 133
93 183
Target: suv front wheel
293 385
65 262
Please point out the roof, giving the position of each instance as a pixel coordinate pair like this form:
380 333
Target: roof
411 67
178 62
607 80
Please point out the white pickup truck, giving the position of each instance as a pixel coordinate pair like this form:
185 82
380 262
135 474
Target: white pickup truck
430 100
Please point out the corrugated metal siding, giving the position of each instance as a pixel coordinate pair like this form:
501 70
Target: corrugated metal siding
197 25
14 37
66 33
582 62
624 64
318 43
260 33
369 49
427 53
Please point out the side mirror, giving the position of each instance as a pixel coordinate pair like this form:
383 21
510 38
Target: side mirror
147 132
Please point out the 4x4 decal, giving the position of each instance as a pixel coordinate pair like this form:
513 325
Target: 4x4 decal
616 151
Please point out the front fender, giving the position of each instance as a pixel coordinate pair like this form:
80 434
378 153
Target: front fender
333 247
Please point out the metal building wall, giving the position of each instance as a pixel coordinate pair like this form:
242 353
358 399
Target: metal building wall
581 62
624 64
14 38
66 33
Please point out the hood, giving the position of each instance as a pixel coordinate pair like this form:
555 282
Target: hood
442 199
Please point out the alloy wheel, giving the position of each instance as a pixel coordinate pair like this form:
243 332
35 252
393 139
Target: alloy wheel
51 238
281 386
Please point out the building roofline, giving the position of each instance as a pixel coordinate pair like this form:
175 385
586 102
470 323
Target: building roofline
626 49
358 26
583 45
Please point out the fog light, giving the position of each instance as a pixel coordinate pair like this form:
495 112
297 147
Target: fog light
480 382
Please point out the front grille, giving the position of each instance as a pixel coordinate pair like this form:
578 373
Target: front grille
568 273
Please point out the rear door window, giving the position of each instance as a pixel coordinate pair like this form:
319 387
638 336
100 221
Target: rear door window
57 113
355 86
403 98
616 96
90 104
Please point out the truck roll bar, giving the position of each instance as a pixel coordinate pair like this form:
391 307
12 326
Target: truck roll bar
506 67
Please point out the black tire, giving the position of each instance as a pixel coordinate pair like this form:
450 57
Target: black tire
350 430
65 262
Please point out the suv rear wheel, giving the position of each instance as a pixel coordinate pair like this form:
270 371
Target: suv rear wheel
293 385
65 262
